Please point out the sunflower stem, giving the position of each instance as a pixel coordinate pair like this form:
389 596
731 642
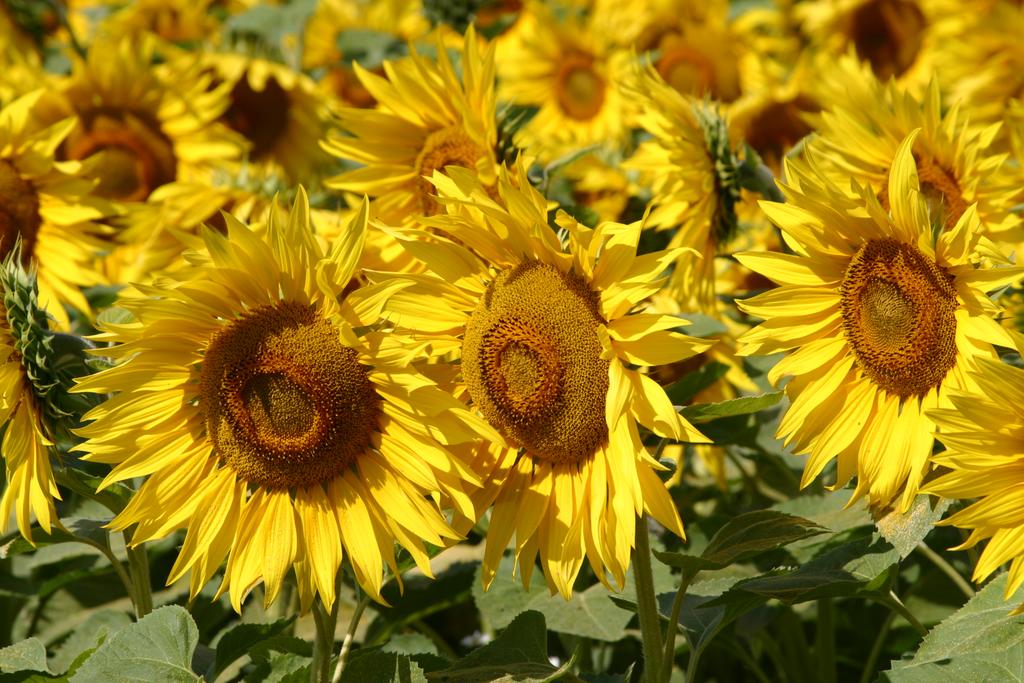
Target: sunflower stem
947 569
350 635
673 627
647 604
138 569
868 673
323 647
825 647
894 603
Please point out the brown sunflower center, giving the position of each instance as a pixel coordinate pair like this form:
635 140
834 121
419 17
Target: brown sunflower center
940 190
579 88
898 311
888 34
19 212
133 156
687 70
532 361
287 405
774 130
261 116
445 147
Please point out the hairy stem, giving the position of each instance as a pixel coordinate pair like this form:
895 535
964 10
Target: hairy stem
647 605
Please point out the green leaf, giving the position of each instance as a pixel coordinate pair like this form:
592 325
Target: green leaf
519 654
27 655
906 530
280 667
374 665
851 568
979 642
156 648
744 537
683 390
240 640
420 598
590 613
367 47
706 412
89 635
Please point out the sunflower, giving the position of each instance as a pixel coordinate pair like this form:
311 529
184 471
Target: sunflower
883 319
860 131
26 403
982 65
897 38
702 49
690 168
172 22
141 125
272 421
279 113
983 432
402 20
548 352
570 71
48 207
427 118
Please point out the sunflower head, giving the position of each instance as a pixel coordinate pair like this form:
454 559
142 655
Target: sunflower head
278 424
407 138
882 314
552 358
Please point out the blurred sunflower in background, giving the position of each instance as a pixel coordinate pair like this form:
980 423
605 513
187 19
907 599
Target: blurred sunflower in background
271 421
550 354
863 124
570 71
47 208
882 316
279 113
427 118
899 39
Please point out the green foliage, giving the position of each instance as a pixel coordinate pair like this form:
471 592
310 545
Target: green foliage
590 613
746 405
519 654
158 647
980 642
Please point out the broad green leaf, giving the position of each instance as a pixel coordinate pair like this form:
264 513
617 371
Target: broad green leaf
377 666
744 537
706 412
980 642
242 639
519 654
683 390
851 568
590 613
95 630
906 530
157 648
87 531
279 667
26 655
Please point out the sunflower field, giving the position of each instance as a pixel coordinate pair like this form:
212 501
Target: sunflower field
416 341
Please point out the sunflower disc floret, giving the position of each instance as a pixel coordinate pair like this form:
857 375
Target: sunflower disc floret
287 405
532 362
